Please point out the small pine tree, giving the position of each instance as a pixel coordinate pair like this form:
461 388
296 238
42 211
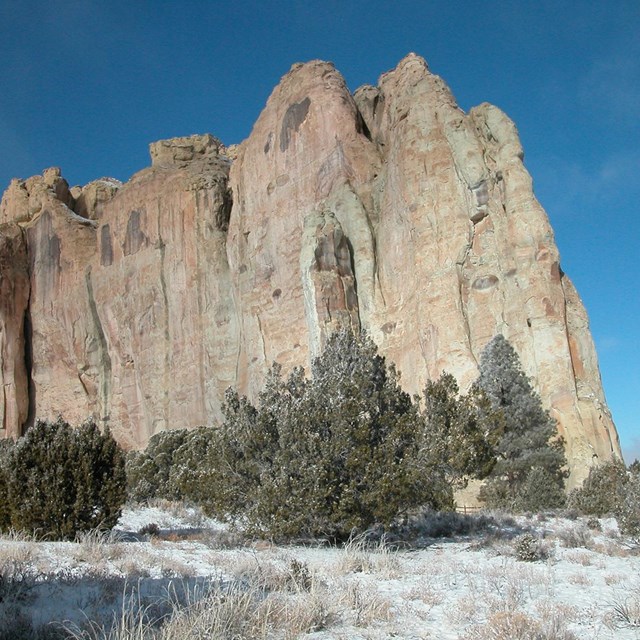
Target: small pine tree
529 443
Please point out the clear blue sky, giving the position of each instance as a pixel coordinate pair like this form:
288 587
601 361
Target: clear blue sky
87 84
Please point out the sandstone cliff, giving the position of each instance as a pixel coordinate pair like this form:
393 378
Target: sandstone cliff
389 210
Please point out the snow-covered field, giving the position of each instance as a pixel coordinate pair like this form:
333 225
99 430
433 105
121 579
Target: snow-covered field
196 574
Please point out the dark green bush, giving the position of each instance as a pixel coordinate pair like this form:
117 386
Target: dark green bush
62 480
149 471
611 489
195 473
629 513
459 432
326 456
5 512
603 491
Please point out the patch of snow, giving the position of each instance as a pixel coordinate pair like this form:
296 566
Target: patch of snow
439 591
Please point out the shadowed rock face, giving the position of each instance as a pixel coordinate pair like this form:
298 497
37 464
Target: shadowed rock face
389 210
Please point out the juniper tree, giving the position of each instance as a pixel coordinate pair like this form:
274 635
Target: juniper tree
327 455
603 491
61 481
194 472
149 471
460 432
5 513
529 444
629 513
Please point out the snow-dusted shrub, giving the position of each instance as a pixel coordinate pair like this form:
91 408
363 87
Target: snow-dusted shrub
149 471
531 466
325 456
629 512
576 536
626 612
444 524
530 548
195 471
602 492
150 529
594 524
62 480
612 489
5 512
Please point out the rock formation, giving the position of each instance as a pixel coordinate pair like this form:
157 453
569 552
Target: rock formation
389 210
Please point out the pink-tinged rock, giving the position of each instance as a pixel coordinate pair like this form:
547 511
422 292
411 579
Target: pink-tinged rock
390 210
307 154
65 354
161 287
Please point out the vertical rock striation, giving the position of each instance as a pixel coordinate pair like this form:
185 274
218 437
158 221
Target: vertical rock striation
388 210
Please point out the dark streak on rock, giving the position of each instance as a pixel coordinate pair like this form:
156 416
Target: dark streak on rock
106 248
105 358
293 118
135 238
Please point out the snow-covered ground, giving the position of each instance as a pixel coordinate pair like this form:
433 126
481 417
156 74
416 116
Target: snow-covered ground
586 583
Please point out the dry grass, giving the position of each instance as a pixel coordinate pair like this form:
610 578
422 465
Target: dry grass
577 536
366 605
625 611
97 547
17 571
583 558
515 625
360 555
366 589
233 611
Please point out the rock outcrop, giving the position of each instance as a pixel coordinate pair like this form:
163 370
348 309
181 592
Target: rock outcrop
388 210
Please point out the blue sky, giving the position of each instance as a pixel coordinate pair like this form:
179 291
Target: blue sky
87 84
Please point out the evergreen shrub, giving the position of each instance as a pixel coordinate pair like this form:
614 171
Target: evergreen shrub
5 512
603 491
629 514
149 472
61 480
328 455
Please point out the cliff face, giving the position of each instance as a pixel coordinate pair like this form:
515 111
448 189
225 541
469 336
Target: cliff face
389 210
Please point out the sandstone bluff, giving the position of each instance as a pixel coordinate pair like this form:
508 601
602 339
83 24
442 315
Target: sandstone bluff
389 209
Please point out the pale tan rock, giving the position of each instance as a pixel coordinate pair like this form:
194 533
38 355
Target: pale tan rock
64 353
161 285
306 151
90 200
25 198
390 210
180 152
15 202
